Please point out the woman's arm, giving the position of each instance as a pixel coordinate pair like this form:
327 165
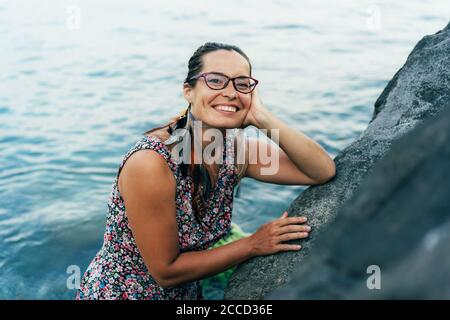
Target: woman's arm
148 188
301 160
284 172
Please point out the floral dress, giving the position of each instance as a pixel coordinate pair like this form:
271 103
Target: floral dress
118 270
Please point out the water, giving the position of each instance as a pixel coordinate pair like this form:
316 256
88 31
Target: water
74 100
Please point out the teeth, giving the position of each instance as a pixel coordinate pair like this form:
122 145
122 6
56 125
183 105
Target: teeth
225 108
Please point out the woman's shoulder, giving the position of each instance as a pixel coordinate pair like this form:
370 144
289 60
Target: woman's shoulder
145 173
146 162
147 147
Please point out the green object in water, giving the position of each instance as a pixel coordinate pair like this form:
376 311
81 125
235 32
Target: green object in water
214 284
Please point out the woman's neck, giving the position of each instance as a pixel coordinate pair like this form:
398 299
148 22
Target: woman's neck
199 128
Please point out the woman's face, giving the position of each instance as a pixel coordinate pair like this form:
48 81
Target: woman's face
205 100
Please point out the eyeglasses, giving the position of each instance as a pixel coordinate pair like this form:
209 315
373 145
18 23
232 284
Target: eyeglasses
218 81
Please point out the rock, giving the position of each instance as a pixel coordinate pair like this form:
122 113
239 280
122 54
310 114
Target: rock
398 221
418 91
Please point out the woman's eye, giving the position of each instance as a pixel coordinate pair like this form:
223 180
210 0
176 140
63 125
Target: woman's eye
243 85
215 81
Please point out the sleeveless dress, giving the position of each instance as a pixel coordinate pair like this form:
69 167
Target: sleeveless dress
118 270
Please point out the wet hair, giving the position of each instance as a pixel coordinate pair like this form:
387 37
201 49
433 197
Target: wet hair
200 176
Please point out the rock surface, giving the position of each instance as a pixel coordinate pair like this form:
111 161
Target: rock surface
398 221
417 92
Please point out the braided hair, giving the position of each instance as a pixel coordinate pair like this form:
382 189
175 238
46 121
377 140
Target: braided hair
200 176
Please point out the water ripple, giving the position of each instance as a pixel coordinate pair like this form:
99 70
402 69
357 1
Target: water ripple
74 101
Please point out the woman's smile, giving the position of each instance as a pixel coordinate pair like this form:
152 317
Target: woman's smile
226 109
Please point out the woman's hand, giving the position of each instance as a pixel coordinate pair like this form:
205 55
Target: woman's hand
267 239
257 113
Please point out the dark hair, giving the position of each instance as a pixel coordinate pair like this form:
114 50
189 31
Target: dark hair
199 174
196 62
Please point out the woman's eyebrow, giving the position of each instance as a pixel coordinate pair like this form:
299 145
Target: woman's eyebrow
240 75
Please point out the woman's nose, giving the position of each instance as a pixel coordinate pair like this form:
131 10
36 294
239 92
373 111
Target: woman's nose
229 90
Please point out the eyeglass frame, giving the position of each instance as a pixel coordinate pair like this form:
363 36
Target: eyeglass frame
203 75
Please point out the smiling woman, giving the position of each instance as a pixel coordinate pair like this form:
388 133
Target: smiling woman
164 215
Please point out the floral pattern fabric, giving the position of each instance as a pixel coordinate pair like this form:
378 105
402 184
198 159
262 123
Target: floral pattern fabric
118 270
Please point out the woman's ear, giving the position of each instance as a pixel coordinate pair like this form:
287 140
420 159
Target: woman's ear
187 92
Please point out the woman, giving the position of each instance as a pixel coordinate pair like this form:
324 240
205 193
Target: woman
175 210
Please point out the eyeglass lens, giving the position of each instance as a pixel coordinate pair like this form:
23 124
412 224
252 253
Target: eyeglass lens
218 81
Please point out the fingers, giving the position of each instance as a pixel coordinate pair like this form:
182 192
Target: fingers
293 235
270 237
289 247
291 220
293 228
284 215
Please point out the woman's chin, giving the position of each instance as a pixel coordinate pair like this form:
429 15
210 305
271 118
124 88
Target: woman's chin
227 124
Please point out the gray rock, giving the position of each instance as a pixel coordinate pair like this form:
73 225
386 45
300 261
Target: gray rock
398 220
418 91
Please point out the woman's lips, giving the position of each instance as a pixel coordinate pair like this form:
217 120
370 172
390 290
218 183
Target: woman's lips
226 110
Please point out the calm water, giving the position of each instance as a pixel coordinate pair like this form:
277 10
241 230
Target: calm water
74 100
